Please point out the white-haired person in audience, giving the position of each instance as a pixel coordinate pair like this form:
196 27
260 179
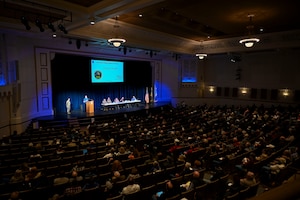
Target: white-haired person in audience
131 188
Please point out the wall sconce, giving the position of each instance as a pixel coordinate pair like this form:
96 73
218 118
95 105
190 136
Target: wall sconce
211 89
244 90
285 92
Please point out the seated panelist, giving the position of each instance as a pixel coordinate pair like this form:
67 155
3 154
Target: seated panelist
116 100
133 98
104 101
108 100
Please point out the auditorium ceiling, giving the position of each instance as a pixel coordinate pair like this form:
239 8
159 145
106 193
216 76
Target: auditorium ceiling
181 26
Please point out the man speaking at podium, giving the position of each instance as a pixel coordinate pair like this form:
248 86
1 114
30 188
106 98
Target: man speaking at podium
85 99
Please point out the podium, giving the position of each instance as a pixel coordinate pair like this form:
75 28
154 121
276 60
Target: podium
89 106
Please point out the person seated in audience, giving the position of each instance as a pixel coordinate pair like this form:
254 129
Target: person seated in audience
262 156
15 195
272 169
111 142
247 162
131 188
110 154
187 168
234 185
24 167
32 174
287 138
55 197
78 167
17 177
75 176
194 182
122 151
35 155
171 189
134 173
90 184
191 149
60 178
84 142
181 159
197 165
116 166
248 180
110 183
74 188
59 150
72 143
134 152
155 167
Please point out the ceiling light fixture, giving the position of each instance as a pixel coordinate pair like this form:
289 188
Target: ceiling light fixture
116 41
92 21
201 56
250 41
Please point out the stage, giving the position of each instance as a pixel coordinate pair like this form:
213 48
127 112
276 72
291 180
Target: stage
62 119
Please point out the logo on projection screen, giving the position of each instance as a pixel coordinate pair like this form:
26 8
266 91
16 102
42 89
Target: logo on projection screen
98 74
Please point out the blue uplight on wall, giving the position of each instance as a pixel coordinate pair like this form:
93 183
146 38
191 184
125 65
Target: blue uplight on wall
188 80
2 80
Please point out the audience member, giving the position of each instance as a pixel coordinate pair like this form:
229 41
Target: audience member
249 179
75 176
234 185
134 173
187 168
32 174
61 178
194 182
73 189
131 188
15 195
116 166
170 190
155 167
91 183
17 177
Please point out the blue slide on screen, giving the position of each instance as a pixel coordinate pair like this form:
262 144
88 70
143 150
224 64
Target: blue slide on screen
104 71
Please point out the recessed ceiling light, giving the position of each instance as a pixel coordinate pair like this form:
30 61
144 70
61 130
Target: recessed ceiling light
140 15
